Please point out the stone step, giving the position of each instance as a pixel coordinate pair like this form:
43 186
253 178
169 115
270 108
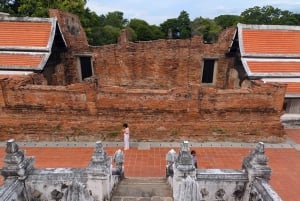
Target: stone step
154 198
143 188
143 180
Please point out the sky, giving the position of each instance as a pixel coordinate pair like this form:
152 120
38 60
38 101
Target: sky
158 11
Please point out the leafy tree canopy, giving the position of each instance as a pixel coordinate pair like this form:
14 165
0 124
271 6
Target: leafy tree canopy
267 15
179 27
227 20
207 28
144 31
115 19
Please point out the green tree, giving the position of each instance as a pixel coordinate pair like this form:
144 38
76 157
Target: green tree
169 28
268 15
206 28
179 27
184 25
156 32
32 8
115 19
227 20
142 29
108 35
39 8
92 24
10 6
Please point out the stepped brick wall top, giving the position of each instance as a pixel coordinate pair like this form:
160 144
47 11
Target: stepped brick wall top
161 64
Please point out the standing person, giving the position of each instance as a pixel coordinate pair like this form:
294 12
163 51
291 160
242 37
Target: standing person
126 136
193 152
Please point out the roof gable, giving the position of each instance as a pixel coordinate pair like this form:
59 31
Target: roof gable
25 43
271 51
26 33
269 40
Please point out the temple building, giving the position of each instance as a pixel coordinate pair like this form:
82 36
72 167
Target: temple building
271 53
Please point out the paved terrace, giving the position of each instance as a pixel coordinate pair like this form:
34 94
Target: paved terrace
148 159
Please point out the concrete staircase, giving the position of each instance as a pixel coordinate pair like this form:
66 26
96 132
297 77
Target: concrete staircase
142 189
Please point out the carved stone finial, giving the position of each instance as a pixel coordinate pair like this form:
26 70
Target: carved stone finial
256 164
118 159
100 162
170 158
16 164
184 160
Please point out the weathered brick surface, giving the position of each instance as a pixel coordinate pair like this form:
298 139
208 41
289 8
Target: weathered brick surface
85 112
154 86
159 64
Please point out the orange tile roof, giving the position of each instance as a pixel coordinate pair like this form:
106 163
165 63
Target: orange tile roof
278 66
271 41
25 33
293 88
25 43
21 61
271 51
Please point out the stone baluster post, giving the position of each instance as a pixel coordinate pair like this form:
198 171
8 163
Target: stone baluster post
100 171
118 159
184 174
256 166
170 158
16 165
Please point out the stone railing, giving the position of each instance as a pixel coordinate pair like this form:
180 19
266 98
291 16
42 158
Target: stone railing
248 184
23 182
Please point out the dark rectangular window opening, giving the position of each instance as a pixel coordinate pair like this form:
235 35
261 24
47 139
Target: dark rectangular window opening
86 67
208 71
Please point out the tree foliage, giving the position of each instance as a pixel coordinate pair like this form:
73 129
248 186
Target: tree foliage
227 20
144 31
207 28
115 19
268 15
184 25
179 27
10 6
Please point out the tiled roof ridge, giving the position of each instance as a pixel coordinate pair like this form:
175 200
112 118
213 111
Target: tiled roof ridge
28 19
267 27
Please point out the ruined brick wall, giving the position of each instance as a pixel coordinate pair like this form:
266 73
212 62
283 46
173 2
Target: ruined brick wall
77 44
88 112
71 28
161 63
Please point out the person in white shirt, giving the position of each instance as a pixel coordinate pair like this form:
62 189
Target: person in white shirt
126 136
